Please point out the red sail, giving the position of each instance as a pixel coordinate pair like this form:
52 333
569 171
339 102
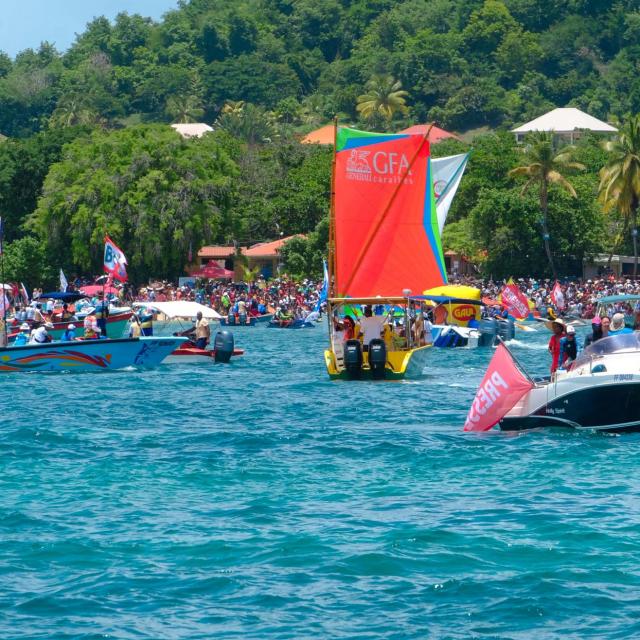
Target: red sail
386 232
501 388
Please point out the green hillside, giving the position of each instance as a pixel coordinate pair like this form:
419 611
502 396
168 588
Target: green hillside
262 72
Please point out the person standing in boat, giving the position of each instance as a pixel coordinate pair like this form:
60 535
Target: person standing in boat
203 331
370 326
557 326
596 332
568 348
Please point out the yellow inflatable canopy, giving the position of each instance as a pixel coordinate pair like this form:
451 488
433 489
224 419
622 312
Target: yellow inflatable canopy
455 313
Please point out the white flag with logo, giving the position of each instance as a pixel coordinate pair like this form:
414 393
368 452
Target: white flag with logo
63 281
447 173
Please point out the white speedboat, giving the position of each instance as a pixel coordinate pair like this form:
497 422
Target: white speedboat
601 391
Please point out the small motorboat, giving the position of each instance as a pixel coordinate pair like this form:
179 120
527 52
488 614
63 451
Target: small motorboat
236 320
172 317
223 350
88 355
600 391
290 323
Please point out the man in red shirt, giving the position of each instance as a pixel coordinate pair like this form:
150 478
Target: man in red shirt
558 328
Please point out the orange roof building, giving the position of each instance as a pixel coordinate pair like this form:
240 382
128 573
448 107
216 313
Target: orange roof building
324 135
214 252
435 135
268 249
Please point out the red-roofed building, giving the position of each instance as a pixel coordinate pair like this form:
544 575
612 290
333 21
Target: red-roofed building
263 255
323 135
435 135
266 255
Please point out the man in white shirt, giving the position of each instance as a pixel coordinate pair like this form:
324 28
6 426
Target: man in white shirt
371 327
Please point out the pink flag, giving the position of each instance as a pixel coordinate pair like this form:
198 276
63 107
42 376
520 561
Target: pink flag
557 296
501 388
515 301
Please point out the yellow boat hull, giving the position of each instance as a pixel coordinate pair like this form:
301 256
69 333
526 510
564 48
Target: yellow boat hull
400 364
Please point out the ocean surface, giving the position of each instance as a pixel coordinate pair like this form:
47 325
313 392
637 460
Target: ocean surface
259 500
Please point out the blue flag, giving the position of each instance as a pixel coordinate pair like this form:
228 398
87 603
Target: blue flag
325 287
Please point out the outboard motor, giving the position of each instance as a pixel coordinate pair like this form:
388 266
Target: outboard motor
506 329
223 345
353 358
488 330
242 318
231 319
377 358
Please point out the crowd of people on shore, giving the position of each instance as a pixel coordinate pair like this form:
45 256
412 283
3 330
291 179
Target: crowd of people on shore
579 298
284 297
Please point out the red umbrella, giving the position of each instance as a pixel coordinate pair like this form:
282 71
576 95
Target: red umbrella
96 290
213 271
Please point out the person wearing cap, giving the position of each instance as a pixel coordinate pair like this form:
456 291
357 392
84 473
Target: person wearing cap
23 337
557 326
41 335
596 332
618 325
69 333
568 348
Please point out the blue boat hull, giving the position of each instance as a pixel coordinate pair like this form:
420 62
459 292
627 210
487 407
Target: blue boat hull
88 355
293 324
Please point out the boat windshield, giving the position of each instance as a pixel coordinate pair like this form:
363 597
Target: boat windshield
606 346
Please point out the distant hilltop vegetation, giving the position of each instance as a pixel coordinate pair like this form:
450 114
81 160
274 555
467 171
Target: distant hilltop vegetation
462 63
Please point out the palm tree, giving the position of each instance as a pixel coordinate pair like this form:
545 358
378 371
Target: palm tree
72 109
184 108
247 122
385 97
249 275
544 168
620 179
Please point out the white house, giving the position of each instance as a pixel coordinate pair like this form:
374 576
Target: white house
567 122
192 129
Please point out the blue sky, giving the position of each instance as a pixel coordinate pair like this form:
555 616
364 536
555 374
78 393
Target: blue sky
26 23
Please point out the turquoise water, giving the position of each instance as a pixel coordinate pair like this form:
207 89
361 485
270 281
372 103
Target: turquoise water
260 500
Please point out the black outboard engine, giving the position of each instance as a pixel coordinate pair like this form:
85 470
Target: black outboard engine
377 358
231 319
242 318
223 345
488 330
507 329
353 358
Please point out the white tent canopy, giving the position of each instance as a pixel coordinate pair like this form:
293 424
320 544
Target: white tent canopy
565 120
182 309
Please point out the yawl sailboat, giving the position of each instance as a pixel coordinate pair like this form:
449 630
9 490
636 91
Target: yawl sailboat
384 246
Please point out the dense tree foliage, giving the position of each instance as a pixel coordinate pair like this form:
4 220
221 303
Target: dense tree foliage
464 64
92 121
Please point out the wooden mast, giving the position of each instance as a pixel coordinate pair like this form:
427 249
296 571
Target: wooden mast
331 267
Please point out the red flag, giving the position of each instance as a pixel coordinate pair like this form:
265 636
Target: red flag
115 262
515 301
557 296
501 388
